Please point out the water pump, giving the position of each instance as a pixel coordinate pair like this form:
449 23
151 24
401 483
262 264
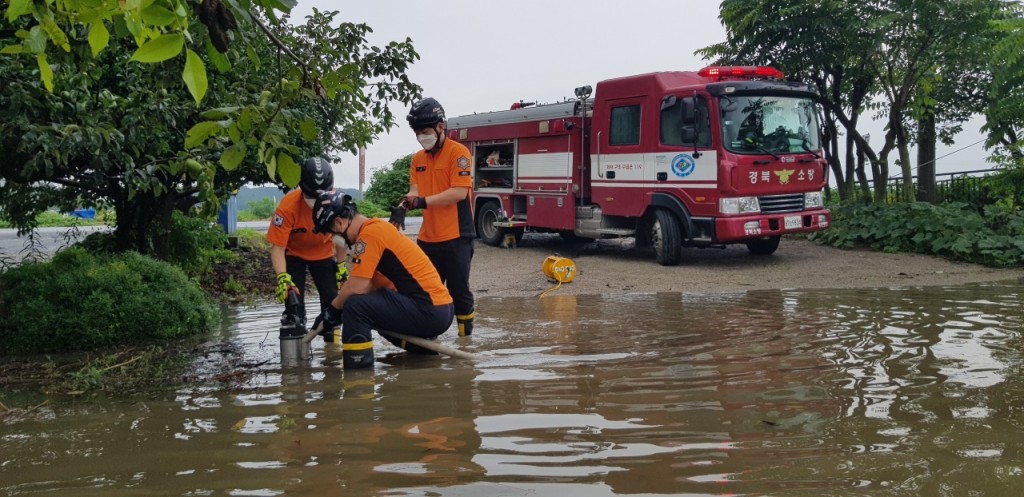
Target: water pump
294 350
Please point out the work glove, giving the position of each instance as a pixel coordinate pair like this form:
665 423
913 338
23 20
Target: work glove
342 274
284 285
330 318
413 203
397 218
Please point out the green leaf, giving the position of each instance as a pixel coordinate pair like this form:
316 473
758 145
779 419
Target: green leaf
232 157
98 37
194 75
36 41
218 113
308 129
45 72
200 133
288 169
157 15
18 8
255 59
161 48
219 60
13 49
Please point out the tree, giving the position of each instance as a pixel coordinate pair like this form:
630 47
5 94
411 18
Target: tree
389 185
888 61
130 135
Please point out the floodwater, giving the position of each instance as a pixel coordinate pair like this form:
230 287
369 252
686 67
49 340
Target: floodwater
880 392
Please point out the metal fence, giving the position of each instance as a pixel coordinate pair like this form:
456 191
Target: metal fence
970 187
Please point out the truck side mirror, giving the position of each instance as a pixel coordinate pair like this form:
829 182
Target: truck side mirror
688 134
689 110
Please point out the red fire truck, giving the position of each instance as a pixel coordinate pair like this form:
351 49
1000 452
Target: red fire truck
720 156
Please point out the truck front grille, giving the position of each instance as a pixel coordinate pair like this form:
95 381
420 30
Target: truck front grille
772 204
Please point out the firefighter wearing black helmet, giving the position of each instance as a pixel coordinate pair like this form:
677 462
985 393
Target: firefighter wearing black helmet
441 183
296 249
393 287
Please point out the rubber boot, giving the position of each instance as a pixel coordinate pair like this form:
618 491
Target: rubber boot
331 336
357 353
465 322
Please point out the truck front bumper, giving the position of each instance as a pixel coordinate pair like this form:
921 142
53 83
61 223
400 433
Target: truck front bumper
742 228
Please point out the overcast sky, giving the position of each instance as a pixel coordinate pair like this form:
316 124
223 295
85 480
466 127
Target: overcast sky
481 55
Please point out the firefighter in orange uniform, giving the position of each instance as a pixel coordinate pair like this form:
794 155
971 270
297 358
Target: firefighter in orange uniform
393 286
295 248
441 183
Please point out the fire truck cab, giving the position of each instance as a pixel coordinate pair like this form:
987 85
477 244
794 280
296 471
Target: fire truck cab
721 156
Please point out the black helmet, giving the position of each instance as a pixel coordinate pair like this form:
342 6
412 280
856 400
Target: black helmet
317 175
330 205
425 113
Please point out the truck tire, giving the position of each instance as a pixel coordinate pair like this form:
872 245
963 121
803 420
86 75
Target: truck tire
485 217
666 238
764 246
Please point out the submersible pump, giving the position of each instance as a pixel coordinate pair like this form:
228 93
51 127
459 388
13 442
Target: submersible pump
294 351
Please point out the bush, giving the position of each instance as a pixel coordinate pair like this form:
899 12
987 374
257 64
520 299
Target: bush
258 210
953 230
82 301
195 244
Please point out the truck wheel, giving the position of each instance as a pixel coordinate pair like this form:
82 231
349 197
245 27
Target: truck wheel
485 218
666 239
764 246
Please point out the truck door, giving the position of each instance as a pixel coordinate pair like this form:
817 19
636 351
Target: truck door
684 164
617 158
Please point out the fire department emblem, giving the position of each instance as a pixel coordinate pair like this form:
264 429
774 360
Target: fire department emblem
359 248
683 165
784 175
278 221
463 162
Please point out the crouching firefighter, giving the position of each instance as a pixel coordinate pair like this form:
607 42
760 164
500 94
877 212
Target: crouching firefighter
392 285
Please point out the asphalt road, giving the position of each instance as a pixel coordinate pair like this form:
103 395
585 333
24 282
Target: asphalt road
49 240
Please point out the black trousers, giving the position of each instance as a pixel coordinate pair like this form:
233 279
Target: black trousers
389 310
325 278
452 260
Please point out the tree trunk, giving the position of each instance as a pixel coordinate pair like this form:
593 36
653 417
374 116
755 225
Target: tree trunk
926 158
143 223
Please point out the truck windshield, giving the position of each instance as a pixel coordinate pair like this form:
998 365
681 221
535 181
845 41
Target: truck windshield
754 124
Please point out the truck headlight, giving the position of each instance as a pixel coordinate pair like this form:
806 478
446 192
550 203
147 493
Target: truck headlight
812 200
739 205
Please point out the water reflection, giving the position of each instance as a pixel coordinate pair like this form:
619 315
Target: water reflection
869 392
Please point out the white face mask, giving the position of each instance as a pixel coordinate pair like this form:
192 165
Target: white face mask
309 201
340 241
427 141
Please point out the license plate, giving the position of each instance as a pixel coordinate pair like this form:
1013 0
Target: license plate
793 222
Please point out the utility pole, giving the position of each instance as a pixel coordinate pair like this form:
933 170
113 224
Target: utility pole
362 169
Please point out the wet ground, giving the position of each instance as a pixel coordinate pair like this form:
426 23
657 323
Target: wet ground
912 391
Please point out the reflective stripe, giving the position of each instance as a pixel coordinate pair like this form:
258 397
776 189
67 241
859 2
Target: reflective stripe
465 317
357 346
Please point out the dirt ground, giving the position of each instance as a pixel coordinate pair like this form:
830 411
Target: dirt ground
614 266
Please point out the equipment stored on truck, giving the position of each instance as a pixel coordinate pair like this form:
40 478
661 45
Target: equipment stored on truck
720 156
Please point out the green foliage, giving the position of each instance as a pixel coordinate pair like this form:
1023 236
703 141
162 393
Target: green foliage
389 185
251 239
370 208
258 210
81 301
952 230
81 121
195 244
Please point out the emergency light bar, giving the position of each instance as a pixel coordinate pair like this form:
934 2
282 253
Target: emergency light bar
722 72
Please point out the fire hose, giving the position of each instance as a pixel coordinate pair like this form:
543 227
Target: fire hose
422 342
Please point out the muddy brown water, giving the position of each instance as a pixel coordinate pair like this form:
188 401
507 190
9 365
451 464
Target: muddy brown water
902 392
